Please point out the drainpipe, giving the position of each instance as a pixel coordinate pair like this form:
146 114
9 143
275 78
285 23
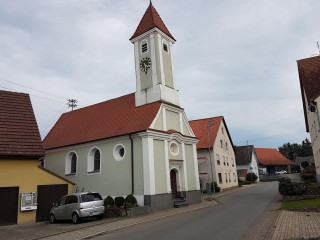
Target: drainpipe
132 167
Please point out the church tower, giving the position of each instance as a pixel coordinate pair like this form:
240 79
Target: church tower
153 60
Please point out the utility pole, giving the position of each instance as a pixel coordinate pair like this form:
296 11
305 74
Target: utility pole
210 124
72 103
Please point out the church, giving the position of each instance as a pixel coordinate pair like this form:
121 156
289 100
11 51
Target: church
140 143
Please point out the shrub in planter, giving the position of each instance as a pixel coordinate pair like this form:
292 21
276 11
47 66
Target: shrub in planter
288 188
130 201
119 201
251 177
108 202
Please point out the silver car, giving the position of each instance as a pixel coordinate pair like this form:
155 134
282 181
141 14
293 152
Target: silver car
76 206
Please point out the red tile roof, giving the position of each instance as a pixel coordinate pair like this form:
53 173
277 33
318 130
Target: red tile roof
270 156
19 133
309 74
242 172
200 129
112 118
150 20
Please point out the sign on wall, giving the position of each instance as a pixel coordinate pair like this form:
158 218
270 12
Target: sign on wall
29 201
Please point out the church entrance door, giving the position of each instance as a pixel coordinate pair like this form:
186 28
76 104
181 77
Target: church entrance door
173 179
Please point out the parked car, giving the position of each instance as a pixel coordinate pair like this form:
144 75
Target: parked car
281 172
77 206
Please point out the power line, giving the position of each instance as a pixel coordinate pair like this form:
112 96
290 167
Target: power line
20 85
270 137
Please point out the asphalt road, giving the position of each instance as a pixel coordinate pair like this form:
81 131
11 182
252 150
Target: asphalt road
226 221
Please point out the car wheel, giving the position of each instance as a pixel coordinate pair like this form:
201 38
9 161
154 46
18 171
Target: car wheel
52 218
75 218
100 217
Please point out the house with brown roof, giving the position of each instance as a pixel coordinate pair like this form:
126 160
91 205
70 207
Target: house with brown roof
309 75
246 159
273 160
216 154
140 143
27 190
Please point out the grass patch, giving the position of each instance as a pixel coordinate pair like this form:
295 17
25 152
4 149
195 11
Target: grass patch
308 203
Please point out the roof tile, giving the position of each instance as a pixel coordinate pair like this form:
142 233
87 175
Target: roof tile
112 118
270 156
19 133
150 20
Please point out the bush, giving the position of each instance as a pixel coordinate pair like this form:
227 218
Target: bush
288 188
130 201
309 174
216 188
108 202
240 182
251 177
119 201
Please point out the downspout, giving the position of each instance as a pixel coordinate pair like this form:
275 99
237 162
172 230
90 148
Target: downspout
132 166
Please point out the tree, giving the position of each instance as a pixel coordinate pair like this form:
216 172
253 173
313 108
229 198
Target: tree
293 150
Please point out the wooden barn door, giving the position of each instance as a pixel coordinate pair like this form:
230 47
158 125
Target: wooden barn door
47 195
9 198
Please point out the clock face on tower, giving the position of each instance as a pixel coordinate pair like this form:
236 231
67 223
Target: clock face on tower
145 64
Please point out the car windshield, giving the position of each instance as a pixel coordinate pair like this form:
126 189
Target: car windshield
89 197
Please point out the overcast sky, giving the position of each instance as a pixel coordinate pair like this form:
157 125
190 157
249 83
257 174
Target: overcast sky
233 58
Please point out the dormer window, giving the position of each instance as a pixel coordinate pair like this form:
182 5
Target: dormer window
144 46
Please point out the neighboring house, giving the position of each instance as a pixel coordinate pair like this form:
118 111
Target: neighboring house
214 132
27 191
139 143
273 160
242 174
299 160
309 74
246 158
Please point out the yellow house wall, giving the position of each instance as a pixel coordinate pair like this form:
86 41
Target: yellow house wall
26 175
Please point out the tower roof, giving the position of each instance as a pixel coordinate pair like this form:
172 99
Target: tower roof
151 19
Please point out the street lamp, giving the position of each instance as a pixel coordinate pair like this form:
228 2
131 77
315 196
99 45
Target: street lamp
210 124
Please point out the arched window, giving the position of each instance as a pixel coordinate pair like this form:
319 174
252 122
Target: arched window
144 46
71 163
97 161
94 160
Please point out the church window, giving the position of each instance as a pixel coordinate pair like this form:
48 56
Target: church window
144 46
165 47
119 152
71 163
94 160
174 148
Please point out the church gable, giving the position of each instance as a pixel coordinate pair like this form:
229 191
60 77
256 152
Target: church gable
172 119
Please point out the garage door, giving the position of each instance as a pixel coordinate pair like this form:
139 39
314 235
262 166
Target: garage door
9 197
47 195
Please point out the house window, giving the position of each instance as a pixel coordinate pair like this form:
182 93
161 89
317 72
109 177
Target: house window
220 177
227 161
224 160
234 177
71 163
221 143
232 162
144 46
222 130
229 178
226 177
218 159
94 160
226 145
119 152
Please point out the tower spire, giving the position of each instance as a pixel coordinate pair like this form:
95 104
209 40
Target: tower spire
150 3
